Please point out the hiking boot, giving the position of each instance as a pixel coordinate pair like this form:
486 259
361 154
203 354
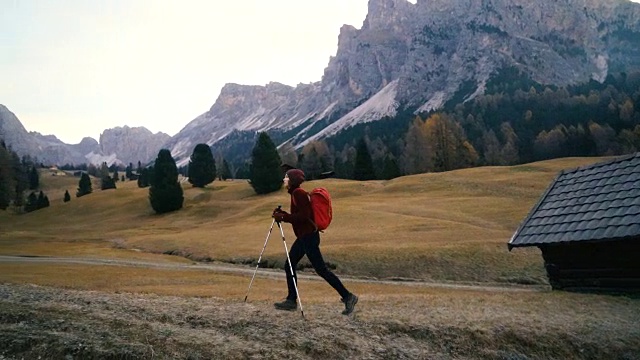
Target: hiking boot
287 304
349 304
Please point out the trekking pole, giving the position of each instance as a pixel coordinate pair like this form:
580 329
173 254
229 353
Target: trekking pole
294 278
259 258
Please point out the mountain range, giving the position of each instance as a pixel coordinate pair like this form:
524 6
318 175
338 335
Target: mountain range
405 58
121 145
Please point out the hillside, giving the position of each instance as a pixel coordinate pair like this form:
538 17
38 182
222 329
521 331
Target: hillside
95 284
450 226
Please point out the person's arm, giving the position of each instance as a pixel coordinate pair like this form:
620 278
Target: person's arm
302 212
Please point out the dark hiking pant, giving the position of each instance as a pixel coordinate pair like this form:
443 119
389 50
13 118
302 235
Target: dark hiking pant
310 245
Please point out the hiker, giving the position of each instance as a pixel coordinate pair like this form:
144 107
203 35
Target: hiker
307 243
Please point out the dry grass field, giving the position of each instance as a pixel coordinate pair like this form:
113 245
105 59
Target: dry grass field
426 253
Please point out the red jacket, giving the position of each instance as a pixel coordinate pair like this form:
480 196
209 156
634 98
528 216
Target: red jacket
301 215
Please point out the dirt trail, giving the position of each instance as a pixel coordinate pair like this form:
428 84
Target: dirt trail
495 322
265 273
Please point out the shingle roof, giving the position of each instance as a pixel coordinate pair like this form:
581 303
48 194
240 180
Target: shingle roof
594 203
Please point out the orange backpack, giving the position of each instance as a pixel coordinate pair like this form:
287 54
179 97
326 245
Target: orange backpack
321 209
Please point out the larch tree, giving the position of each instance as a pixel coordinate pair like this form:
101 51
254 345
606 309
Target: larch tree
416 157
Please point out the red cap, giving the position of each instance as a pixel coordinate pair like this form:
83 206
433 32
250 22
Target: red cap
296 177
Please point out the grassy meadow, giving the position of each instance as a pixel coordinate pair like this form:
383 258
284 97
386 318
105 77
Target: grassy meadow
451 226
144 286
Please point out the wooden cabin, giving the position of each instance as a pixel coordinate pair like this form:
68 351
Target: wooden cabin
587 225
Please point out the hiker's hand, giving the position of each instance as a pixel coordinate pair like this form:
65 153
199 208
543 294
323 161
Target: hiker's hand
279 216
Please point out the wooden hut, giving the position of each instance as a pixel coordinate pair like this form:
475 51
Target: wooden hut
587 225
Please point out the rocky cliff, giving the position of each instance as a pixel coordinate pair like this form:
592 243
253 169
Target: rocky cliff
132 144
418 56
119 145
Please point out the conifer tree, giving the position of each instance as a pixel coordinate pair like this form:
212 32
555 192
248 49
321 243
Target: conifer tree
128 171
202 166
363 169
265 175
67 197
225 173
107 183
43 201
165 193
34 179
32 203
84 185
116 176
21 178
7 180
391 169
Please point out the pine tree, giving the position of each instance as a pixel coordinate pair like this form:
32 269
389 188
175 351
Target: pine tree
21 178
165 193
226 171
84 185
202 167
116 176
67 197
391 169
364 166
32 203
107 183
43 200
34 179
265 175
7 178
128 171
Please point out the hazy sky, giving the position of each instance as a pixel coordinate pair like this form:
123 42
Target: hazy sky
74 68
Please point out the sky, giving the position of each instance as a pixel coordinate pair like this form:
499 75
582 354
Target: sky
73 68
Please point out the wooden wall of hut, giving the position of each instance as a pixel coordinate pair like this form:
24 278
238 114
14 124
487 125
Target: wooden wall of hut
607 266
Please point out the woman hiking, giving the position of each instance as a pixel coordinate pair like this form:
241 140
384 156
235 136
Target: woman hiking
307 243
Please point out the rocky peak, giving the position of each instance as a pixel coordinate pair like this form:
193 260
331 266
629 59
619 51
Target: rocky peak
386 14
132 144
347 34
252 96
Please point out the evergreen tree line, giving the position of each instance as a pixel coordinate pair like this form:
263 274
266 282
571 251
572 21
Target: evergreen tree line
35 202
517 121
17 175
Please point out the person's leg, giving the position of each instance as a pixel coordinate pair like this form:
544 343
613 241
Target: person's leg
312 249
295 254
